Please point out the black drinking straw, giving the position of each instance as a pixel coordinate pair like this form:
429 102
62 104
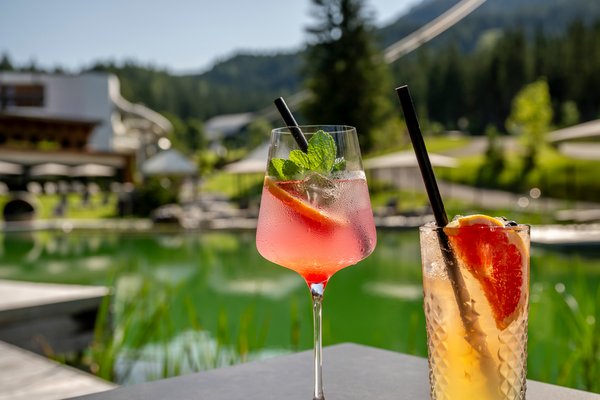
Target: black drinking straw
468 314
412 123
289 119
291 123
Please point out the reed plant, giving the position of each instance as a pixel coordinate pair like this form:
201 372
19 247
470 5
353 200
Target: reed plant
229 307
564 328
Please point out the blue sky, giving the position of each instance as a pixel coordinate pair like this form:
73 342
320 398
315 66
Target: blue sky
180 35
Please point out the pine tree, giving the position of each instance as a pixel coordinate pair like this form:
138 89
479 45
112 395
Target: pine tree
5 64
344 70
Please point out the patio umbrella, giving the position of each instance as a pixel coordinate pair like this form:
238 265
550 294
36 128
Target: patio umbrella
7 168
254 162
247 167
49 169
169 162
92 170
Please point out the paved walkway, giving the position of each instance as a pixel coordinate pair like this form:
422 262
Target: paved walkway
27 376
48 318
16 295
51 317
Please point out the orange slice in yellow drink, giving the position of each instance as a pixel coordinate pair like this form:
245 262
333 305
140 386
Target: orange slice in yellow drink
497 258
301 207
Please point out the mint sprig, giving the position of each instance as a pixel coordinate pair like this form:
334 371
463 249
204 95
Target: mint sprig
319 158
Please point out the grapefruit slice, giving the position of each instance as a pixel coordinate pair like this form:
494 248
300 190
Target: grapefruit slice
300 206
497 258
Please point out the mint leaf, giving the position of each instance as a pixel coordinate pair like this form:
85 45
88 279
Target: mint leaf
319 158
283 169
321 152
339 165
301 159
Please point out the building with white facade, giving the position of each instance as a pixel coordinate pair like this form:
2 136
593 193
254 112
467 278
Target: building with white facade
75 120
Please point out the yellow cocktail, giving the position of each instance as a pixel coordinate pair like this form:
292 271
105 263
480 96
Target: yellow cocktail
475 281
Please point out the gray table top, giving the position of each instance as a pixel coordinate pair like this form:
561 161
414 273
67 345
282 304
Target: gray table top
350 372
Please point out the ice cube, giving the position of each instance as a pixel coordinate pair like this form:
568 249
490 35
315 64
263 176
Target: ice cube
319 189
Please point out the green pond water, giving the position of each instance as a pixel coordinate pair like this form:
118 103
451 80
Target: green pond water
189 301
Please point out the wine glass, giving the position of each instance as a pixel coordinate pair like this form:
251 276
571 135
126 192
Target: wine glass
315 214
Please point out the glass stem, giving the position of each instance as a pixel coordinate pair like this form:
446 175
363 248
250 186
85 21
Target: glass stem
316 291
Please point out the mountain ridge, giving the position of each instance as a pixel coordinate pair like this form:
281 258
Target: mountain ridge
248 81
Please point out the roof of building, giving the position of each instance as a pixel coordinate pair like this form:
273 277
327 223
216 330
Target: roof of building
584 131
226 125
407 159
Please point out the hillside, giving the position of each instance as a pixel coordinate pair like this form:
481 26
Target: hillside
553 16
245 82
248 82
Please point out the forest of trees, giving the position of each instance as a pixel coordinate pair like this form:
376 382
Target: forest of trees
452 87
475 90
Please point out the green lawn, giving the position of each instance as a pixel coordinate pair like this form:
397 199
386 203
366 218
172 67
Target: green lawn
555 174
234 186
97 208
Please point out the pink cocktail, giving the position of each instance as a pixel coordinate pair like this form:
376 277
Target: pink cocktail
339 234
315 214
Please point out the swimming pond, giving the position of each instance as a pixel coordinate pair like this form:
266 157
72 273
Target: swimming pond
188 301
